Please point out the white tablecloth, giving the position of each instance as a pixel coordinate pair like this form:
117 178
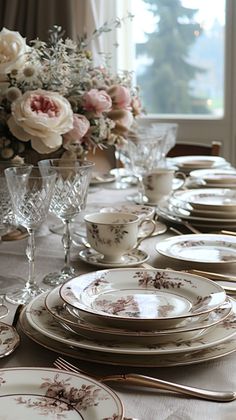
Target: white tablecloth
144 404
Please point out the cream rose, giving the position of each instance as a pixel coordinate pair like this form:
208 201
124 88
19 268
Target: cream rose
42 117
12 50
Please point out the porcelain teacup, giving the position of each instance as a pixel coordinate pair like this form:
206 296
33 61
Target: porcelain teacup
112 234
161 182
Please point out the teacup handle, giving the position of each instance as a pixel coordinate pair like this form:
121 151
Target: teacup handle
150 221
180 175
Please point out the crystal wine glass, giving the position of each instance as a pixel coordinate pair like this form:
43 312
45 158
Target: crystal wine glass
69 198
145 151
31 192
6 214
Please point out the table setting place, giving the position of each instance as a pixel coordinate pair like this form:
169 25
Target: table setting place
142 314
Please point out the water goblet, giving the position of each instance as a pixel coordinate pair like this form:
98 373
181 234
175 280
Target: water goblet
31 192
69 198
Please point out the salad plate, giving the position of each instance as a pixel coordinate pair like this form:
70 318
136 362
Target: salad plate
28 393
129 259
202 248
187 358
95 330
9 339
40 319
142 298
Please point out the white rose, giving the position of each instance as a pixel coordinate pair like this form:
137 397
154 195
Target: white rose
12 50
42 117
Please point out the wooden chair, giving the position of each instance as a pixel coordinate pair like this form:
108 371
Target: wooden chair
185 149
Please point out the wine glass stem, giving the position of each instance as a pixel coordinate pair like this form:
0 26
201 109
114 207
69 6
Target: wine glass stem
66 240
140 189
30 252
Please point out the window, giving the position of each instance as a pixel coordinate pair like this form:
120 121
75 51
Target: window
206 81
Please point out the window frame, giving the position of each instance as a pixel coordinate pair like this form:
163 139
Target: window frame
193 129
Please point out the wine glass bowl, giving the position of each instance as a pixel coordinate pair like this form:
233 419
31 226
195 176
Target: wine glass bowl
30 192
69 198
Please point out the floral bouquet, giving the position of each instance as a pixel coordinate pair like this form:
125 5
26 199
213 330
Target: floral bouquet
54 100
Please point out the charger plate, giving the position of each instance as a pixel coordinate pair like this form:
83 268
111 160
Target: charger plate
40 319
33 393
208 354
202 248
187 329
139 298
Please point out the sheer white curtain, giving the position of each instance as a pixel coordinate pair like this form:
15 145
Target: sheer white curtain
92 14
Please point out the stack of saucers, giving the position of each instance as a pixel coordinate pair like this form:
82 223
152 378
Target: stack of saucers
135 317
208 208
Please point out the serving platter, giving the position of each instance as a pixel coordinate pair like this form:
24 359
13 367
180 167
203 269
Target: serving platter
100 331
142 298
201 248
28 393
163 360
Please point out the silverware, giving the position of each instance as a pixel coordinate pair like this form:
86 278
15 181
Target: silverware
147 381
213 276
19 309
228 232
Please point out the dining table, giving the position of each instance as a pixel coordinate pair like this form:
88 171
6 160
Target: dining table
139 402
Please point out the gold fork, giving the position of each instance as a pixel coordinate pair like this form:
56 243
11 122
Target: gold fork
146 381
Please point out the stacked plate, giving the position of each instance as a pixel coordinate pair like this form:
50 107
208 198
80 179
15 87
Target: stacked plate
213 178
189 163
209 208
135 317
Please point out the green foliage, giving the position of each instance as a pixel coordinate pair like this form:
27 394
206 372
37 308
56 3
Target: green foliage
166 80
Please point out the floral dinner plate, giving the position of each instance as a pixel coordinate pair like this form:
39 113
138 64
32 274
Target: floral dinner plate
28 393
70 316
142 298
163 360
202 248
41 320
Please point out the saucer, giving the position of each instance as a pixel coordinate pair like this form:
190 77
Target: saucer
131 258
99 178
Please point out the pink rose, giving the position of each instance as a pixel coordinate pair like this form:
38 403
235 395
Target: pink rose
120 96
97 101
80 128
123 120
